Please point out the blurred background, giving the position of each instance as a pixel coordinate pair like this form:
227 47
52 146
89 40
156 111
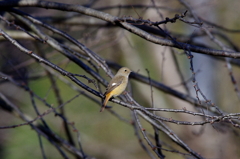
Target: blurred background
105 135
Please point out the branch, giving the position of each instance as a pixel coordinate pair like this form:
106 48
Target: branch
116 21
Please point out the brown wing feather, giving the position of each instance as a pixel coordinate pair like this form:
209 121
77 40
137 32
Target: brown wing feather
118 80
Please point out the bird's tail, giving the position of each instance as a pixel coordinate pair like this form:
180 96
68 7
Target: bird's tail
107 97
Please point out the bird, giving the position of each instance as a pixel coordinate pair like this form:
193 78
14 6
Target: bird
116 86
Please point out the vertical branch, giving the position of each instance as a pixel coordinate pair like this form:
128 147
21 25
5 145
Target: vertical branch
136 130
41 146
154 148
156 133
59 100
177 66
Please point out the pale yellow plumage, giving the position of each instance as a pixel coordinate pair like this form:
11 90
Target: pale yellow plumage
117 85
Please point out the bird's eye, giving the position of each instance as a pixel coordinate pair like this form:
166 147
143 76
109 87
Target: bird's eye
125 70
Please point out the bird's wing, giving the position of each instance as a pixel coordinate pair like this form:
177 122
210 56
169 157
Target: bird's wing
113 84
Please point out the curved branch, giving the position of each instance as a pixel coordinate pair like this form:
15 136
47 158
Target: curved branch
115 20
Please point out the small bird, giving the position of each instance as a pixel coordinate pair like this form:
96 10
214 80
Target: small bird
117 85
